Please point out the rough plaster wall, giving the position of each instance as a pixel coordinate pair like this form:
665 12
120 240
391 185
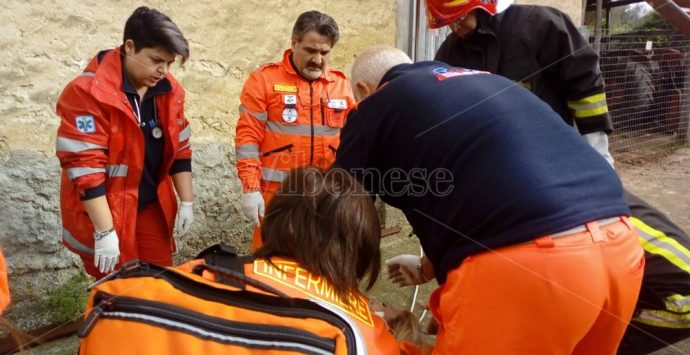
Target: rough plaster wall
571 7
47 43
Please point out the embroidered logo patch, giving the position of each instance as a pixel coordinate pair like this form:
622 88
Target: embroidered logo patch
445 73
86 124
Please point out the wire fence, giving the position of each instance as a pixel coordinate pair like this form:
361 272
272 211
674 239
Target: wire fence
647 87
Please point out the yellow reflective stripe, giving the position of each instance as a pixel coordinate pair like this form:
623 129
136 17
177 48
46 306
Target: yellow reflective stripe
663 319
658 243
678 303
589 99
592 112
590 106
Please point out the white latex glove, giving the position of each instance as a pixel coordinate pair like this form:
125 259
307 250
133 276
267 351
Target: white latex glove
405 270
600 142
253 206
185 218
107 252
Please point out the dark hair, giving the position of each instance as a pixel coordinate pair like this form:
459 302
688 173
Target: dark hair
150 28
326 222
316 21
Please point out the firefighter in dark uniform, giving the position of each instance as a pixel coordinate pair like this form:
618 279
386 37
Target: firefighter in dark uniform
536 46
662 315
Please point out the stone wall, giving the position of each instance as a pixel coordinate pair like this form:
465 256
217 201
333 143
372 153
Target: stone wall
47 43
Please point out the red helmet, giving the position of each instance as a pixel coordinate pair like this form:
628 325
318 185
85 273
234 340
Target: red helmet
441 13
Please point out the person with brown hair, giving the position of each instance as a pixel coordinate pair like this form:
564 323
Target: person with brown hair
321 239
124 148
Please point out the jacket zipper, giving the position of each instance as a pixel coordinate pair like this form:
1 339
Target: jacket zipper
244 299
251 335
278 150
311 121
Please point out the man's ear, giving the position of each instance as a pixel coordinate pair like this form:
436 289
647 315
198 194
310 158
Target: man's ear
129 47
363 90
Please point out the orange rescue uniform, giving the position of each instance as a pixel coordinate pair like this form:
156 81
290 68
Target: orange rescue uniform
561 279
287 121
295 281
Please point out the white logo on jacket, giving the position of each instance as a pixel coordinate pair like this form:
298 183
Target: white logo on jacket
86 124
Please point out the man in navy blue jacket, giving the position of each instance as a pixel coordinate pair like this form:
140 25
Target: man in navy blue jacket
523 224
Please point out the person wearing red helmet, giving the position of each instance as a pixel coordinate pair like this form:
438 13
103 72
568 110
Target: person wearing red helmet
536 46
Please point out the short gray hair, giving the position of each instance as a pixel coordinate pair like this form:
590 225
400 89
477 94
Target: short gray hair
318 22
371 65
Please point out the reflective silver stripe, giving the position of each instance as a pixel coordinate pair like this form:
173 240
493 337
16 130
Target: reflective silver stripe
661 245
208 333
360 344
74 173
247 151
184 147
69 239
663 319
302 130
186 133
268 174
88 73
75 146
586 106
678 303
117 170
261 116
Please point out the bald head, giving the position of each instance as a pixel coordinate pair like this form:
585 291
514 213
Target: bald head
371 65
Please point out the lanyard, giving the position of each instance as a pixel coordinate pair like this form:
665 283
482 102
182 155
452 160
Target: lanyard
156 131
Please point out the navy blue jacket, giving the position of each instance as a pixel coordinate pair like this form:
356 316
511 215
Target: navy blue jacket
474 161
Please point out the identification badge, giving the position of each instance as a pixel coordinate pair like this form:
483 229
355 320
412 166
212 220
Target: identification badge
290 99
290 115
337 104
157 132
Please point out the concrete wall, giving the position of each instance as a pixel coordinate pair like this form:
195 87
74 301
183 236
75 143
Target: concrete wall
46 43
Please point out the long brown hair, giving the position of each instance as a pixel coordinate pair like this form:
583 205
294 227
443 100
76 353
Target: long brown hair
327 222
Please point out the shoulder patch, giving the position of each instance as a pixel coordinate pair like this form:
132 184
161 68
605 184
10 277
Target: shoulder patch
86 124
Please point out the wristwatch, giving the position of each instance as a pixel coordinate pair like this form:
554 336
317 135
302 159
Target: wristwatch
100 235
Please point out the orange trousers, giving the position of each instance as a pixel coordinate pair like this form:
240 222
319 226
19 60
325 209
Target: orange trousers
154 241
571 294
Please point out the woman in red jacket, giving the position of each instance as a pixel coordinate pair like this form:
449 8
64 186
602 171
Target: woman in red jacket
123 145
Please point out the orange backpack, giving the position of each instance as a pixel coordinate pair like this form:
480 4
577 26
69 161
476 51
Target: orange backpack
147 309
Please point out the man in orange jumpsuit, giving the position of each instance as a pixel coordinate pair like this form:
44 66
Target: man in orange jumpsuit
291 113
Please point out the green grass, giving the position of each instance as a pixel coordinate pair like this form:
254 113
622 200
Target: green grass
67 301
